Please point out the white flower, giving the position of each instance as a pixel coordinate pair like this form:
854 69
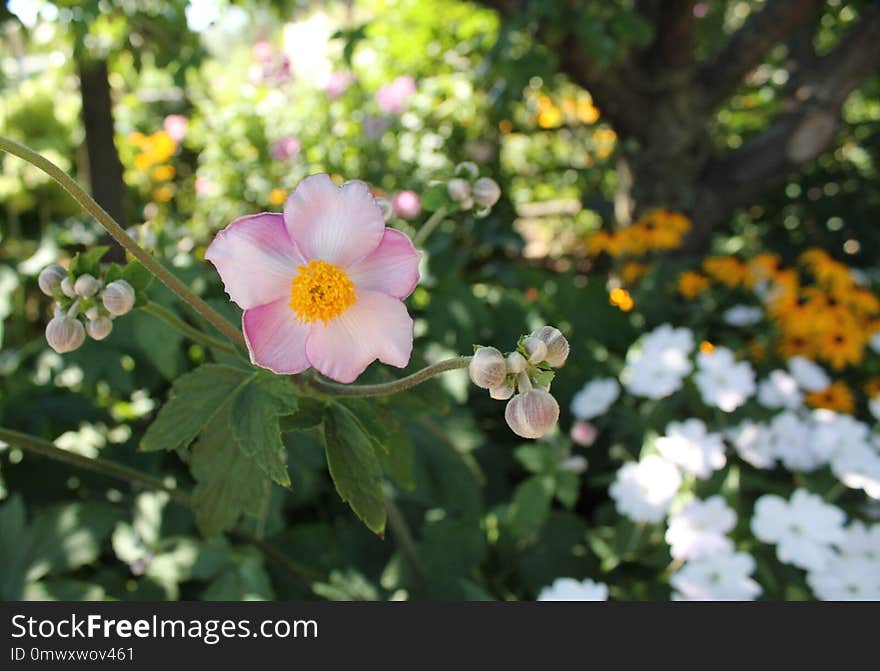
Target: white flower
779 390
792 443
835 434
803 528
743 315
569 589
723 577
753 443
846 579
643 490
861 541
688 445
595 398
874 407
858 467
810 376
699 529
657 365
724 383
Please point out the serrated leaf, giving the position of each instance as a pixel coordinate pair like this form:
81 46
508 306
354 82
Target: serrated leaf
256 410
114 272
354 466
373 421
137 275
309 414
88 261
229 483
158 341
195 398
398 460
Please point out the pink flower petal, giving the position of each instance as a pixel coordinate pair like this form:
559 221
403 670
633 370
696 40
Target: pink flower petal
256 259
336 225
376 327
393 268
275 339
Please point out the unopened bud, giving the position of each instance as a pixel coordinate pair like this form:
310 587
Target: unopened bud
535 348
468 168
575 464
516 363
65 334
557 345
583 434
50 279
99 328
502 393
459 190
486 192
118 297
93 312
487 368
531 414
67 288
86 286
386 207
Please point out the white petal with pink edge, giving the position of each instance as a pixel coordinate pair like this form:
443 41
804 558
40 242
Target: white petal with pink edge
333 224
392 268
376 327
256 259
275 339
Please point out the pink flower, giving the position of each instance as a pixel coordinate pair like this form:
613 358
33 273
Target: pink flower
262 51
392 96
406 204
583 433
203 186
285 148
338 82
321 285
176 126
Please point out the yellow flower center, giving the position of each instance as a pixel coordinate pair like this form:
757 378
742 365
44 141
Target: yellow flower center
322 291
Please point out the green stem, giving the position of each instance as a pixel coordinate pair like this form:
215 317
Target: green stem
133 476
403 537
388 388
96 465
428 227
118 233
187 330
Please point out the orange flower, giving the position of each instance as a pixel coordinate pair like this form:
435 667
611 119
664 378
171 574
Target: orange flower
622 299
633 271
277 196
728 270
837 397
691 284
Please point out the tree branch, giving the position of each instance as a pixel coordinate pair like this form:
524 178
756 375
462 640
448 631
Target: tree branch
674 24
722 74
807 125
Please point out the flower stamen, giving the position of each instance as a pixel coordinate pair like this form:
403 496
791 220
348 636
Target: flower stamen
322 291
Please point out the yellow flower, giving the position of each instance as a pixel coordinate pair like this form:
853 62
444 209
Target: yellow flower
550 117
622 299
163 194
795 344
598 243
691 284
587 111
162 173
837 397
277 196
706 347
757 351
840 346
872 387
728 270
604 139
633 271
661 229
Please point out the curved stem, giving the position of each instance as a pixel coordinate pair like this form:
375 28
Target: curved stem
388 388
187 330
118 233
428 227
96 465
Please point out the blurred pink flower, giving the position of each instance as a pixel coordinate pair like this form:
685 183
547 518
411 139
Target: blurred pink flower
285 148
202 186
701 9
406 204
176 126
391 97
338 82
322 284
583 434
261 51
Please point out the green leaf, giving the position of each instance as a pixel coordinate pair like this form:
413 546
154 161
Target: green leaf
398 460
158 341
88 262
373 420
137 275
256 410
195 398
354 466
309 414
435 197
244 579
13 556
567 488
114 272
228 482
530 506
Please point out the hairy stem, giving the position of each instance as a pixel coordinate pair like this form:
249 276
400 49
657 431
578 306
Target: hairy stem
185 329
118 233
428 227
388 388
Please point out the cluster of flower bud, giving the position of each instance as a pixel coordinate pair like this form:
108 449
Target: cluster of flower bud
83 298
469 190
522 378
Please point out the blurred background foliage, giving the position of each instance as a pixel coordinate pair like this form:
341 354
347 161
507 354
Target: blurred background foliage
219 108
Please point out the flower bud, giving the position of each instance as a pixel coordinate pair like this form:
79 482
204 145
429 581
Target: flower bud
99 328
516 363
531 414
118 297
535 348
50 279
67 288
467 167
487 368
503 392
575 464
65 334
583 434
459 189
86 286
486 192
557 345
93 312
